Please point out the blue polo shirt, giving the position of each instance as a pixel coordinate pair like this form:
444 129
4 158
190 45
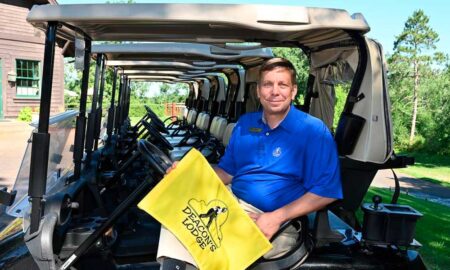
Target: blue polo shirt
273 167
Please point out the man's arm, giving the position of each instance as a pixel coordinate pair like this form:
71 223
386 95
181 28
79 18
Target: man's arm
223 175
269 223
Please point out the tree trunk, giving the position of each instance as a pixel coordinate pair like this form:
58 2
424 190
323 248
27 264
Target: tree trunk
415 103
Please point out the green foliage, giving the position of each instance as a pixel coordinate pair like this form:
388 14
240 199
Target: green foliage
71 103
433 120
417 37
168 93
171 93
139 91
341 91
411 52
72 82
25 114
137 109
415 70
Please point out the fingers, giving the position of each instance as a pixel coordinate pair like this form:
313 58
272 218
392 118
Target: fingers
174 165
254 216
171 168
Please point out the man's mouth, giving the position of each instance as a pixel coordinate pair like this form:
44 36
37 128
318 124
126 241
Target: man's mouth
274 101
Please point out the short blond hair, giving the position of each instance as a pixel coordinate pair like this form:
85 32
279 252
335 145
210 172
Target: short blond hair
278 62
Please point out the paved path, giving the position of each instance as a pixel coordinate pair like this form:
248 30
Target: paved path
416 187
13 142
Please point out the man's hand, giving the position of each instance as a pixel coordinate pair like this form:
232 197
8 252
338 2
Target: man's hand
269 223
171 168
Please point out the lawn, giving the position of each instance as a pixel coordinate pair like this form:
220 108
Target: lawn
433 168
432 230
134 120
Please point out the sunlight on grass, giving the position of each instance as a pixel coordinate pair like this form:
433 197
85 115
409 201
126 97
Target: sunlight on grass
134 120
432 168
432 230
439 245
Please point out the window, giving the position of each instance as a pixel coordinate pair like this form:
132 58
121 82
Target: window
27 82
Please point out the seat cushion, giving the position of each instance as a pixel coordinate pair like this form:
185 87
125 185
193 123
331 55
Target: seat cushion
227 133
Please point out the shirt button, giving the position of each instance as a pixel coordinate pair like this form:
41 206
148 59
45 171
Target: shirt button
267 133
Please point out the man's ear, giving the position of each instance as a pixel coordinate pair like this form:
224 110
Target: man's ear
294 91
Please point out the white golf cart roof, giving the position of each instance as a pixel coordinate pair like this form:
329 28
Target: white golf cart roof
181 52
174 59
270 25
178 62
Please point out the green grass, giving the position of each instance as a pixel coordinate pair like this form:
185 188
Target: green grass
429 167
134 120
432 230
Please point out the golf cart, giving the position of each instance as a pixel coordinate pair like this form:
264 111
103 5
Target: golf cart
83 214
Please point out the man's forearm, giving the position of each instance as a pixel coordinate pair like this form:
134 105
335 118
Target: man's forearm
270 222
223 175
304 205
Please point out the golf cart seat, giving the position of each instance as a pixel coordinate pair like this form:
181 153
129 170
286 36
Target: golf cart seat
216 130
296 256
182 129
200 128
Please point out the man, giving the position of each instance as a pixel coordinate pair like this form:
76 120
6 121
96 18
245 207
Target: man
282 163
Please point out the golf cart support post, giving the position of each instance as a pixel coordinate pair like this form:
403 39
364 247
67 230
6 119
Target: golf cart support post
41 139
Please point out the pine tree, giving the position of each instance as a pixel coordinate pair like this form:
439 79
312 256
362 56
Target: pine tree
413 46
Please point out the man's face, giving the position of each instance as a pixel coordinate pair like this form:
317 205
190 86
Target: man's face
276 91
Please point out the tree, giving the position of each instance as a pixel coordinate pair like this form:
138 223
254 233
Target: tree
412 46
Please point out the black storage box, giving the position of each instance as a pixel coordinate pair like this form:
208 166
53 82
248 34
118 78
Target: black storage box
389 223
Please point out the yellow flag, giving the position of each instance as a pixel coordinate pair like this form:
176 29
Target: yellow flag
194 204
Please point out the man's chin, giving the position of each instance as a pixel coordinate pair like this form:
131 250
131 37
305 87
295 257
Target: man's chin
276 110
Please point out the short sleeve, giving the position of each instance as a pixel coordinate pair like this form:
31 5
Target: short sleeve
322 175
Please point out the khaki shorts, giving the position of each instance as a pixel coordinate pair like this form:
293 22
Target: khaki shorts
170 246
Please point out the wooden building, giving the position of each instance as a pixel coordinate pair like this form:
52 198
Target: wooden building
21 61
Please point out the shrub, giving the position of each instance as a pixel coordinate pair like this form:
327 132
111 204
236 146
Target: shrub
138 110
25 114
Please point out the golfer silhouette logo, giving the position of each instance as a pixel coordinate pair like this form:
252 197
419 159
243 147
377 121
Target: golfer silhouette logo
212 214
205 221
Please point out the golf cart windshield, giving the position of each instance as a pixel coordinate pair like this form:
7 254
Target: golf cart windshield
62 130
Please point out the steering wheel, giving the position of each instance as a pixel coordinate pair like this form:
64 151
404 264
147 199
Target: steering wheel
156 135
156 121
157 159
174 117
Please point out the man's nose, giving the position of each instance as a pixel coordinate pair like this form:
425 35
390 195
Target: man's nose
275 90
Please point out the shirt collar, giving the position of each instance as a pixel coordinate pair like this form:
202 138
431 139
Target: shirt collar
288 123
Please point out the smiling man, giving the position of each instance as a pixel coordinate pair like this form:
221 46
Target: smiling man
281 163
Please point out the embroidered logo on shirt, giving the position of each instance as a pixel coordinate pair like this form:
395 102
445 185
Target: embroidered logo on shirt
276 152
253 129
